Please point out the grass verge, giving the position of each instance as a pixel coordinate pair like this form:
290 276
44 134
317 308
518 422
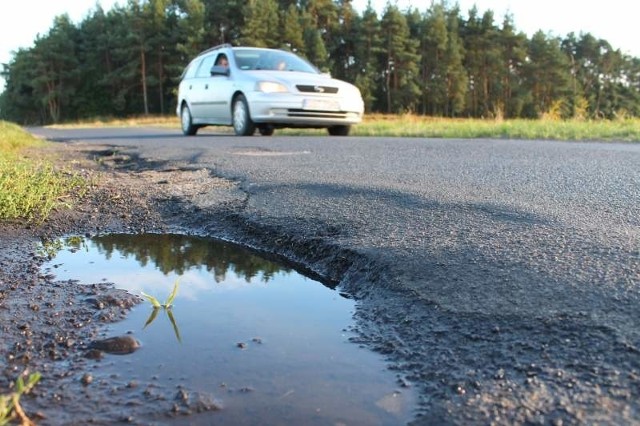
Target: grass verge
627 130
30 188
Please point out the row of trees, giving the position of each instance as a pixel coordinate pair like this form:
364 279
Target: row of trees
436 62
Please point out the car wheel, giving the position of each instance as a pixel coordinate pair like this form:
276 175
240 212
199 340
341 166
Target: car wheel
339 130
266 130
187 122
242 123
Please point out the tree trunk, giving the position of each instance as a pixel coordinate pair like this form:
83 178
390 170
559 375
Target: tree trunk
160 84
52 102
143 72
388 84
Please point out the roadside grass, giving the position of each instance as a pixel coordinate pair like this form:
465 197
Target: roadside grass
627 130
30 187
411 125
13 138
149 120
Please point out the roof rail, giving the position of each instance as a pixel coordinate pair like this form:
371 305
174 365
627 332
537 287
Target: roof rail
211 49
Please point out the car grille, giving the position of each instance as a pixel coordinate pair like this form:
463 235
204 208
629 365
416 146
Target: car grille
316 89
315 114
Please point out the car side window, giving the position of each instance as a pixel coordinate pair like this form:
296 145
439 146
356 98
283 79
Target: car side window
204 70
222 60
190 70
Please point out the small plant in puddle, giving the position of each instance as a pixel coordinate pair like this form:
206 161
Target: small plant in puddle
10 408
167 305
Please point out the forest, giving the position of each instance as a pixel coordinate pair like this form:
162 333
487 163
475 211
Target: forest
440 61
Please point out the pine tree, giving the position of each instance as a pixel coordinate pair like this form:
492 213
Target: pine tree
514 53
139 46
433 70
56 67
157 21
400 60
456 78
224 21
343 46
320 19
315 48
368 50
123 77
18 102
483 63
547 74
600 75
324 17
190 30
291 30
261 24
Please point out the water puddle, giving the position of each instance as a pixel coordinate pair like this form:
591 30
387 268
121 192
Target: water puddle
271 345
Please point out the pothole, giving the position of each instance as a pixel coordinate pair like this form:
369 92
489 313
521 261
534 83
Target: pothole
270 345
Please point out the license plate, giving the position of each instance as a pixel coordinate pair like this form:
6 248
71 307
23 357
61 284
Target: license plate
321 105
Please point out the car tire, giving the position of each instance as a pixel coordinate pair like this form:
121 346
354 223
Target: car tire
339 130
242 123
187 121
266 130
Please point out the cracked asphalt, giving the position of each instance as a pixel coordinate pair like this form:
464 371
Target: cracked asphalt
500 278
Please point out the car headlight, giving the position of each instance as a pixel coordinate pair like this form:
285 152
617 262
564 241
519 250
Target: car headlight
352 92
271 87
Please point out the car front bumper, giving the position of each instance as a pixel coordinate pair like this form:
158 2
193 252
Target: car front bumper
304 110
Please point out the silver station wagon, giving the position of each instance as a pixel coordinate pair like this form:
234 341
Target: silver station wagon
249 88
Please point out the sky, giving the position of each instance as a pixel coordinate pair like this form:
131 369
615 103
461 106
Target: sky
613 20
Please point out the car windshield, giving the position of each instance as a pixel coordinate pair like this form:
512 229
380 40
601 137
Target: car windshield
271 60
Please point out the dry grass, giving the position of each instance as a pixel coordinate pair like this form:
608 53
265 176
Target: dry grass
417 126
408 125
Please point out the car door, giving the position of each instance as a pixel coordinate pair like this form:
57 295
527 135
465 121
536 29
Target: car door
200 91
220 93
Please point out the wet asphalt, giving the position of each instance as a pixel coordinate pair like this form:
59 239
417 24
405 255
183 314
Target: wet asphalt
500 277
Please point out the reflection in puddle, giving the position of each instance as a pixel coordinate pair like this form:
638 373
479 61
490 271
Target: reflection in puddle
165 307
239 322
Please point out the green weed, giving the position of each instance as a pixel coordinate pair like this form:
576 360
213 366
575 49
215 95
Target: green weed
167 304
31 189
166 307
10 408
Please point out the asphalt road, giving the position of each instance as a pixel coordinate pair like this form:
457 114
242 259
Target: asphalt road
500 277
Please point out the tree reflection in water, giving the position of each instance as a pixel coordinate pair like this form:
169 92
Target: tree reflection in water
173 253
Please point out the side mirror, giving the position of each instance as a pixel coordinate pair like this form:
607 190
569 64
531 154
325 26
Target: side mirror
220 70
